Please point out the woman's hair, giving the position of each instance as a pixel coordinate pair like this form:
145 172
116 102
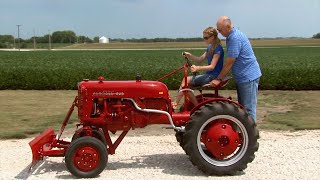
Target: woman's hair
210 31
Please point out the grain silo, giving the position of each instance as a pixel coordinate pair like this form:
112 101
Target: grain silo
103 40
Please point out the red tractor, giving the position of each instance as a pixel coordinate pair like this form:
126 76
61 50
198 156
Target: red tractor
218 134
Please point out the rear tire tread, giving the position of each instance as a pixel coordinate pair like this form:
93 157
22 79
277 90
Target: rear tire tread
199 117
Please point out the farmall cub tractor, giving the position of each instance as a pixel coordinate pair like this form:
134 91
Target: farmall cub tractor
217 134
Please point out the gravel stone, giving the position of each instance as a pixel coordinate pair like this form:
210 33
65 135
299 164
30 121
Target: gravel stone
281 155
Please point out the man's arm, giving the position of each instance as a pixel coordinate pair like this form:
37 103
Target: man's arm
225 70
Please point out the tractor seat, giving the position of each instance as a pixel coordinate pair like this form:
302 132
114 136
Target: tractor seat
222 84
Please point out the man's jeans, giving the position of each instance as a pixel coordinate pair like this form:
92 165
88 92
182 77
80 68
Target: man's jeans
247 96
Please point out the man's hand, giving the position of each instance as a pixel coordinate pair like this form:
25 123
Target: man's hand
215 82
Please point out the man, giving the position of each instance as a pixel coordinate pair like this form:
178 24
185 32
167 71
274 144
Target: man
244 65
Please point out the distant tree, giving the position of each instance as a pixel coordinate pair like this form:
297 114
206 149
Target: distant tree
96 39
84 39
117 40
6 41
23 45
30 40
43 39
88 40
63 37
316 36
6 38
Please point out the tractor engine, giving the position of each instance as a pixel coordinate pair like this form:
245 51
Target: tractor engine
114 103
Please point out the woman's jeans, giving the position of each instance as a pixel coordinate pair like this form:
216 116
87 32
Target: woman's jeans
202 79
247 96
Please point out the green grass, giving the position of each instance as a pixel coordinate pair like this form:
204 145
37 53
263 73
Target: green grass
25 113
30 112
290 110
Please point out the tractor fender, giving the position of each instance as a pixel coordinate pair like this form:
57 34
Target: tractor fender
198 106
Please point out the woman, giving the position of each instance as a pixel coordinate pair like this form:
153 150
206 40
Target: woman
214 55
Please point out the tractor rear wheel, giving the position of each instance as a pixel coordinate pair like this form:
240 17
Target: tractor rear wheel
200 98
179 137
86 157
221 138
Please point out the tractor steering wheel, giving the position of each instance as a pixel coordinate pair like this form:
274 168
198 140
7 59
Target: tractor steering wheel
189 63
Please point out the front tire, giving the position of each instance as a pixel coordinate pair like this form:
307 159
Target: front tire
221 138
86 157
98 133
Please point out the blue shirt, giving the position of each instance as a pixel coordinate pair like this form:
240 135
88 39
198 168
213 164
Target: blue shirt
218 50
245 67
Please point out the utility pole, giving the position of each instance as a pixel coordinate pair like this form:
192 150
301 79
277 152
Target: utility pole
14 42
34 40
19 34
49 41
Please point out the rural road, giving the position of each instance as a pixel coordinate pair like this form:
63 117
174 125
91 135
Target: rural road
153 153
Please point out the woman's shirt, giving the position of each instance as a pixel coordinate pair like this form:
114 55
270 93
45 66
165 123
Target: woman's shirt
218 50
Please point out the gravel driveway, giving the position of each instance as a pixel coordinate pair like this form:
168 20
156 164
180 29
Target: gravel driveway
153 153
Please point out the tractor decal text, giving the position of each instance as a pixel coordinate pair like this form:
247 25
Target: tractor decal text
107 93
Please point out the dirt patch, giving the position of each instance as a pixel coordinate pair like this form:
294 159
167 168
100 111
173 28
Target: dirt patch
263 112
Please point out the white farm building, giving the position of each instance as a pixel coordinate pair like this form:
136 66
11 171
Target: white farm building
103 40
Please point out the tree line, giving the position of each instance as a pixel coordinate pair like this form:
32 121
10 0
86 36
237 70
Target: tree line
316 36
70 37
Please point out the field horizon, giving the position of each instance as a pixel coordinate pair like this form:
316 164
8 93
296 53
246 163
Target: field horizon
276 42
198 44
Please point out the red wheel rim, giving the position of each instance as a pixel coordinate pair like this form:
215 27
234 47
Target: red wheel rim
86 158
221 139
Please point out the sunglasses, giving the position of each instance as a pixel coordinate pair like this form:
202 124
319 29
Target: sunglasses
206 37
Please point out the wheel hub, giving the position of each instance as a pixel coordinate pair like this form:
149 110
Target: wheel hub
221 140
86 158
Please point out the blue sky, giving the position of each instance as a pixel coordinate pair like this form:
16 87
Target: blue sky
159 18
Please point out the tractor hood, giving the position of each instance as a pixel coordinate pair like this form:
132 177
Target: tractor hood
123 89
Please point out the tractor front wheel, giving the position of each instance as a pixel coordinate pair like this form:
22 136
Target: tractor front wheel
86 157
221 138
96 133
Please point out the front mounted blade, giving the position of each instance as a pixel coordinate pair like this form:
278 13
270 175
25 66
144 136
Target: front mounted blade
41 143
